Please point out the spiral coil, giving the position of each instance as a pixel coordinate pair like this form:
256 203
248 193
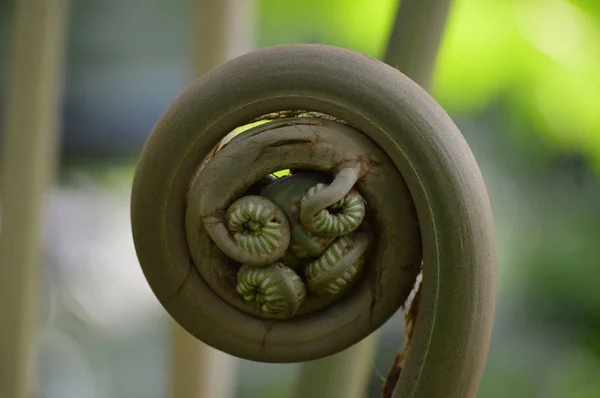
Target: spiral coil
255 227
424 207
276 289
340 265
341 218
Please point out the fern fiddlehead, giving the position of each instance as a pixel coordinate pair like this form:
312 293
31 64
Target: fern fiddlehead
367 130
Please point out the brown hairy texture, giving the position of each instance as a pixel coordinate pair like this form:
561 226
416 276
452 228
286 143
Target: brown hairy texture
409 320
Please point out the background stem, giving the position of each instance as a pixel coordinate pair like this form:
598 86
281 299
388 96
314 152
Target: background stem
343 375
415 38
223 29
28 162
198 370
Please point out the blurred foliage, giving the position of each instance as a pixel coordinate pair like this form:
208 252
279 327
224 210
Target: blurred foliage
522 80
520 77
539 58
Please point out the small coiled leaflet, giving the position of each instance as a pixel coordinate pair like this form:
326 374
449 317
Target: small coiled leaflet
340 265
254 226
341 218
276 289
257 232
319 207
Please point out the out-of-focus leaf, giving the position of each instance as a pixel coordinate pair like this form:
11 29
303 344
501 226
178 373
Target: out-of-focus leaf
540 57
357 24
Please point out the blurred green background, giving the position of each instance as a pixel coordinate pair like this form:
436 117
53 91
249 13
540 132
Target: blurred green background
521 78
